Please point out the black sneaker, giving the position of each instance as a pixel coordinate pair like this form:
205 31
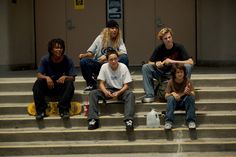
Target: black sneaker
65 115
89 88
129 125
40 116
93 124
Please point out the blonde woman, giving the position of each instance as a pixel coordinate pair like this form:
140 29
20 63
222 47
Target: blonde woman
92 60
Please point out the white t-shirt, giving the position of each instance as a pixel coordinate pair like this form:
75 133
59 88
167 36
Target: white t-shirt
115 79
98 51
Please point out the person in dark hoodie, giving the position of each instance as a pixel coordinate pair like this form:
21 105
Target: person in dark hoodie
55 78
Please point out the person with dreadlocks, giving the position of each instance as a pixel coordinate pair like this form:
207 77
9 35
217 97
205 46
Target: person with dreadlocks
55 78
92 60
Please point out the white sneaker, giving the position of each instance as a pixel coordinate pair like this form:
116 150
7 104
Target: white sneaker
191 125
148 99
168 125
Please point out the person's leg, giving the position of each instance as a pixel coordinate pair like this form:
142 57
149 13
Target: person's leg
88 68
189 68
129 102
124 59
39 90
149 73
170 108
190 109
66 92
93 119
94 96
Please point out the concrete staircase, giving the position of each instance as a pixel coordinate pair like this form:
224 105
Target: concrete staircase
21 134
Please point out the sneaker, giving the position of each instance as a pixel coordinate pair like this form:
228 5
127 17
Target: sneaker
93 124
89 88
168 126
148 99
191 125
65 115
40 116
129 125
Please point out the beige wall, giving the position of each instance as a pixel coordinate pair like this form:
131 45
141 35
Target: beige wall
215 29
17 33
216 32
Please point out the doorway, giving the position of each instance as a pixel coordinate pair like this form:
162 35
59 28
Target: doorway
61 19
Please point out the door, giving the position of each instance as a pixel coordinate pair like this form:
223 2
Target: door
83 25
180 16
139 33
143 20
49 23
61 19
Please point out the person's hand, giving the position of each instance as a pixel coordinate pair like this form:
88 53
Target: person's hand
108 94
177 96
116 94
102 59
50 82
187 90
61 79
81 55
168 61
159 64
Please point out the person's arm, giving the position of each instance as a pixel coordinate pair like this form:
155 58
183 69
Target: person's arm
103 88
121 91
171 61
189 89
86 55
47 78
155 59
122 48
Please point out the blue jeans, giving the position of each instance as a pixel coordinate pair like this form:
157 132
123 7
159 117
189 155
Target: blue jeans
150 72
127 97
188 103
90 68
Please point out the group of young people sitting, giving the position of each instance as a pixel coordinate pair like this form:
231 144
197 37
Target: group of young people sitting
105 68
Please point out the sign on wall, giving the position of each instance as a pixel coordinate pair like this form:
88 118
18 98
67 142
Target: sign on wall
115 11
79 4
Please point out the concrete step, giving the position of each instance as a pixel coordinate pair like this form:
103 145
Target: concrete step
117 146
148 154
115 133
116 119
116 106
201 93
205 80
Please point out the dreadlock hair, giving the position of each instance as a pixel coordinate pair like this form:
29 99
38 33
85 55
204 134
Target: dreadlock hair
52 43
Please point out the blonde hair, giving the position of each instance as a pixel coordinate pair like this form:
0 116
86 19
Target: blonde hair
163 31
106 39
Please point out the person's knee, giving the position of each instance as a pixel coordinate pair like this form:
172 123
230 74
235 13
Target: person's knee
145 68
189 100
189 68
69 83
93 93
130 95
170 99
124 59
38 83
83 62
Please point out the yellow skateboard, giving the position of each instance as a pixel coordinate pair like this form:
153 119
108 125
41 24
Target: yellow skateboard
52 109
